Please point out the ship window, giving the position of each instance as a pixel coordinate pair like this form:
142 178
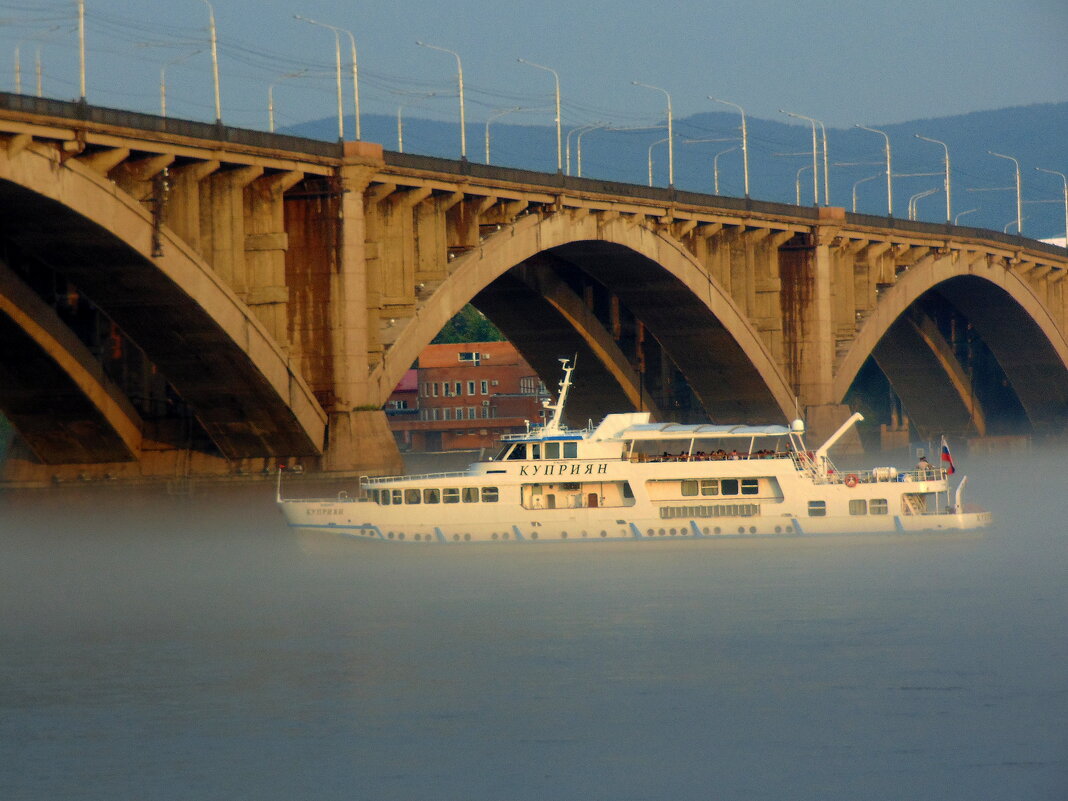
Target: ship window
518 452
489 495
750 486
877 506
552 450
858 506
412 496
689 487
450 495
470 494
710 486
729 486
383 497
570 450
397 496
817 508
627 491
431 496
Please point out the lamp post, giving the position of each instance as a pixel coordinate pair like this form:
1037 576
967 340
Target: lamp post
337 69
214 61
400 121
745 140
556 78
270 96
949 213
671 149
1064 182
492 117
163 80
797 185
826 167
460 83
81 48
916 198
956 220
1019 204
815 163
355 79
889 182
578 142
650 160
858 183
18 71
715 167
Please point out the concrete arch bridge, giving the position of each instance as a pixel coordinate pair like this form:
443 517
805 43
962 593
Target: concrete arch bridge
180 299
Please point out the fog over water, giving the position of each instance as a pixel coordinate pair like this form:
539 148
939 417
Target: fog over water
162 648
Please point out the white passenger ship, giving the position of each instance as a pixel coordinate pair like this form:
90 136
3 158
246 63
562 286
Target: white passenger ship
631 479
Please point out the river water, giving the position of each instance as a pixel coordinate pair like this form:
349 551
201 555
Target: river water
162 648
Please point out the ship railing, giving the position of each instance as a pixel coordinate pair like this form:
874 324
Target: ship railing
878 475
370 482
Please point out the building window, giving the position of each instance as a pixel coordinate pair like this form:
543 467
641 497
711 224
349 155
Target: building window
470 387
485 412
471 413
817 508
529 385
434 387
484 386
878 506
459 412
858 506
469 357
458 388
446 413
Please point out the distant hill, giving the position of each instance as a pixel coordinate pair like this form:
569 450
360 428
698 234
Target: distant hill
1036 135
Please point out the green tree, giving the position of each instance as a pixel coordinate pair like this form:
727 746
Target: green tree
469 325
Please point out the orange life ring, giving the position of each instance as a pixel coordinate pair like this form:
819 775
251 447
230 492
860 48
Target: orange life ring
851 480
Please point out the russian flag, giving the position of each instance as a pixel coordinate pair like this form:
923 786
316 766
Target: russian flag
947 458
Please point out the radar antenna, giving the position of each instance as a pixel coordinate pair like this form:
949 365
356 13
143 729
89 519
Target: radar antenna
555 423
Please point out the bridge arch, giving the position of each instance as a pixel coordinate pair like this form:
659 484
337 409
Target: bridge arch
165 297
699 325
1004 309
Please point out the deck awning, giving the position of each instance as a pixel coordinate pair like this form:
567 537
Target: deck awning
677 431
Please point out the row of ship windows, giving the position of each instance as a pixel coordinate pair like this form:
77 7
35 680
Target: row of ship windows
434 495
720 486
857 507
546 450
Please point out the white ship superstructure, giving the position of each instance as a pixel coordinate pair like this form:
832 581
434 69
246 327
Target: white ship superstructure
632 479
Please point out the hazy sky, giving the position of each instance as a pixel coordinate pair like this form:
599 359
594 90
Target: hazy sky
841 61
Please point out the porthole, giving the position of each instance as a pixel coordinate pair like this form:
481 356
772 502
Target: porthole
672 532
563 535
741 529
604 533
789 529
778 529
707 530
467 537
400 536
390 535
584 534
494 535
718 530
662 532
418 537
682 532
752 529
456 537
650 533
505 535
533 535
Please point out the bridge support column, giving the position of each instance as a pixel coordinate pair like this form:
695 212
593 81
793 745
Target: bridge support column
358 437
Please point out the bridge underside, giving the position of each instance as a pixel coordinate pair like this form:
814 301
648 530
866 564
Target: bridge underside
209 371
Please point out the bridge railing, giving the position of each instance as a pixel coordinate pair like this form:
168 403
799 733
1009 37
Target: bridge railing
83 112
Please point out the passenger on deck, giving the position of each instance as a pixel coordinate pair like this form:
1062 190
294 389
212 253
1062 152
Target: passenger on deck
923 465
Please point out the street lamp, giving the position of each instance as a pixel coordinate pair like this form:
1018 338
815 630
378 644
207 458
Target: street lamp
858 183
956 220
214 61
556 78
400 121
949 214
915 199
815 163
460 83
715 167
492 117
1064 181
654 144
355 76
270 96
81 47
671 149
889 183
797 185
745 140
578 142
1019 204
337 63
163 80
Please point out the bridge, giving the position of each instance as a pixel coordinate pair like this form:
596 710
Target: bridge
185 299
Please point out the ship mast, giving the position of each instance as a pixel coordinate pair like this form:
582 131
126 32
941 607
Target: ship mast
554 425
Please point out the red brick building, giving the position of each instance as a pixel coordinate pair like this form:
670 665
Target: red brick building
466 395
